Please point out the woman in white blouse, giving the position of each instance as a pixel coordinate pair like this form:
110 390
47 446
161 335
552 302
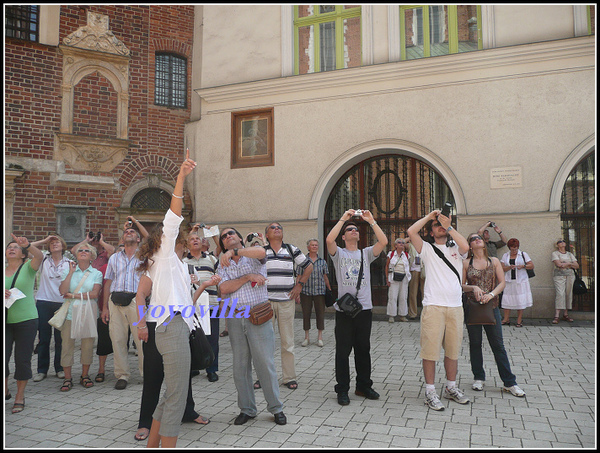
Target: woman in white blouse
397 263
517 293
169 302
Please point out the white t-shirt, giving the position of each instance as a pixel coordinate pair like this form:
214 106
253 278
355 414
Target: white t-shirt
442 287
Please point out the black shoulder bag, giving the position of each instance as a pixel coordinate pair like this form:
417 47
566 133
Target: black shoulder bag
348 303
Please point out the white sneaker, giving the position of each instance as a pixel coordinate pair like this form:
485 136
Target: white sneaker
478 385
305 342
433 401
455 394
515 390
39 377
60 375
320 343
391 319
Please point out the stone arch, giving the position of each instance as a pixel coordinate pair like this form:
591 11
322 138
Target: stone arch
349 158
567 166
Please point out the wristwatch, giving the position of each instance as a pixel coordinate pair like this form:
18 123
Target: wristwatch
235 252
450 228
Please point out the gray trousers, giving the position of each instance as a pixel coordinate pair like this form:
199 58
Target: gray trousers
252 344
173 344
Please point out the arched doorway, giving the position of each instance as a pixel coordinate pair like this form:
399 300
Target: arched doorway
578 207
398 190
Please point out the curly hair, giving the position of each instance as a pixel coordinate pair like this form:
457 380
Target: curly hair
150 245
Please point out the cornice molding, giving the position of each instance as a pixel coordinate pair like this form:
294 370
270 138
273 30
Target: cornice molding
568 55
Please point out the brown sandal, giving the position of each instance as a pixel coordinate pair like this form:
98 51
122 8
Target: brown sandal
566 318
555 320
67 385
86 382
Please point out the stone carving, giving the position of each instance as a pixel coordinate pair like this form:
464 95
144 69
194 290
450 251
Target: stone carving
90 153
96 36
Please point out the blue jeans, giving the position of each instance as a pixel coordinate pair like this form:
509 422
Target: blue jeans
494 335
46 310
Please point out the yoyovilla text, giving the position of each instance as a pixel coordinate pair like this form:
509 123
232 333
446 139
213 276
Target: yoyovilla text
187 311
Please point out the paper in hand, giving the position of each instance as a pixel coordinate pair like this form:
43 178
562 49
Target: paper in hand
15 295
212 231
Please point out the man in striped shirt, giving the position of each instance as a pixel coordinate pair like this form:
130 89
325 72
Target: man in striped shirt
283 291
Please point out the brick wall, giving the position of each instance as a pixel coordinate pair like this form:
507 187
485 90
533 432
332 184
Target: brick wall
33 114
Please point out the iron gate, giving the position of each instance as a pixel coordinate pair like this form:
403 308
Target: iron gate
578 206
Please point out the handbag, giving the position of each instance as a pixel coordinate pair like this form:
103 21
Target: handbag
202 355
348 303
477 314
83 324
579 286
329 298
398 276
121 298
261 313
60 315
530 272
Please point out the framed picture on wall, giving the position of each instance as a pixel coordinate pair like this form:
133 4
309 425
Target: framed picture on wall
252 138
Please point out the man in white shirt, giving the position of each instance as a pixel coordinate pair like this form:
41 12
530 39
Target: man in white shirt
442 316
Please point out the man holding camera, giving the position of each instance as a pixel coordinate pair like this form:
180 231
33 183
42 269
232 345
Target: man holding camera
492 247
442 315
121 281
354 332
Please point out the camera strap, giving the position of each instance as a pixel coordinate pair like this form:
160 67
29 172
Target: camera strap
360 273
439 253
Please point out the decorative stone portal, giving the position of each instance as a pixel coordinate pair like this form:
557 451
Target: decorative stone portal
93 49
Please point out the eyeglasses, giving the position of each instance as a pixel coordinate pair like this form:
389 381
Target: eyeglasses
276 227
84 250
229 233
350 229
474 238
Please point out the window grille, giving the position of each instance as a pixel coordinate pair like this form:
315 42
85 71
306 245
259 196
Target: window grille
170 81
151 199
22 22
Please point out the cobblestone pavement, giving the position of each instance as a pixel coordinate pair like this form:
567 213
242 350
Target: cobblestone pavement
554 364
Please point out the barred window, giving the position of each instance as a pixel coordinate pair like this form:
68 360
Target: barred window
170 81
22 22
152 198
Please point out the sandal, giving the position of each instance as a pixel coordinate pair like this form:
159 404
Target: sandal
67 385
566 318
100 378
142 434
86 382
202 420
224 333
18 407
7 396
506 323
555 320
257 385
519 324
292 385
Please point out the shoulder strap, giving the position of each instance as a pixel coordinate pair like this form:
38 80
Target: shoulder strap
439 253
12 285
360 272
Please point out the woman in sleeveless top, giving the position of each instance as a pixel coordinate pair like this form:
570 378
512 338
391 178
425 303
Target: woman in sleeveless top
483 279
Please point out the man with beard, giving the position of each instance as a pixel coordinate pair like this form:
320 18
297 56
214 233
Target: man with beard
442 315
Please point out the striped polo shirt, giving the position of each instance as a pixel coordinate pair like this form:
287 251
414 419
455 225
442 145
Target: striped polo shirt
280 270
206 267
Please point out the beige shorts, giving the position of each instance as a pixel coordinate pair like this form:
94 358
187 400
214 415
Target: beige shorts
441 327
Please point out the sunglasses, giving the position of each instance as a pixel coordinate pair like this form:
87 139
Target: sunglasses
350 229
276 227
474 238
84 250
229 233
